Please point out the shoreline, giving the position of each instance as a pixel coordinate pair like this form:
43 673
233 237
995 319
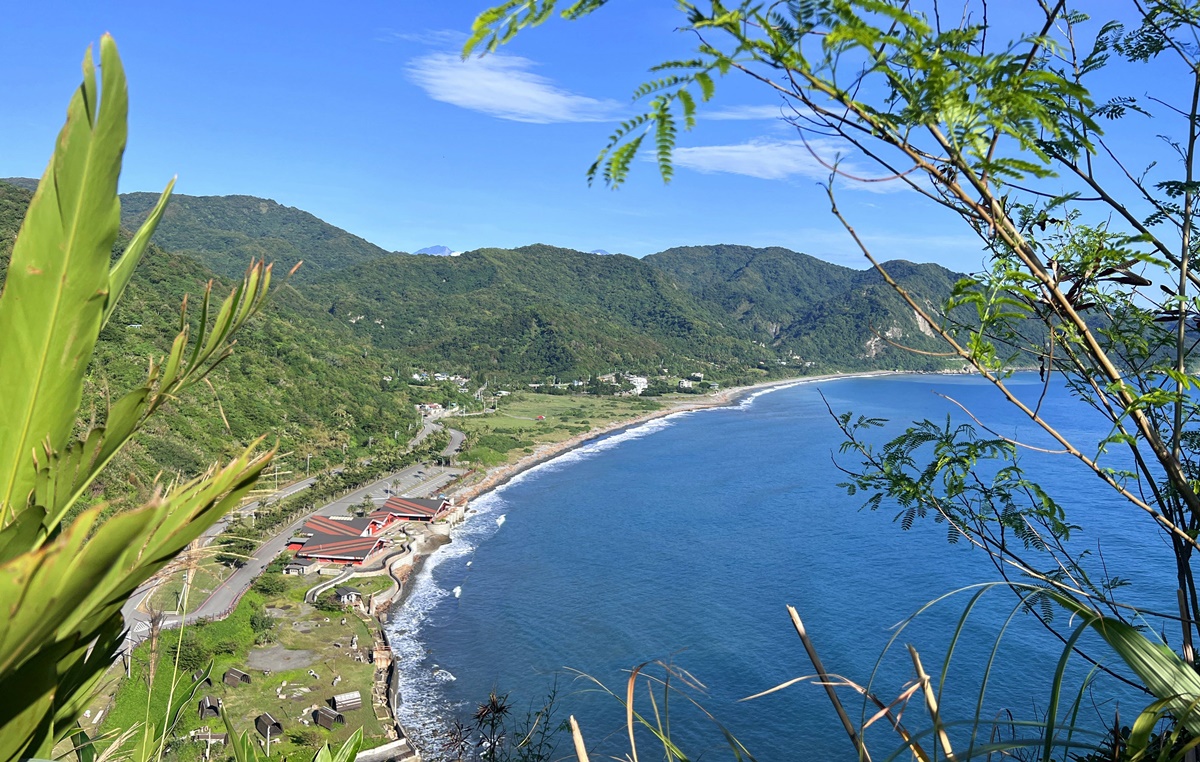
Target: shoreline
498 476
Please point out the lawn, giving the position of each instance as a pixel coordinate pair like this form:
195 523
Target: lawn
515 430
303 641
205 579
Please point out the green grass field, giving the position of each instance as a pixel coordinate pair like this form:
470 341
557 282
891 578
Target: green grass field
303 639
514 431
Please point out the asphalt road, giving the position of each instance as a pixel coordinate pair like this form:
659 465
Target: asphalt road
456 440
414 481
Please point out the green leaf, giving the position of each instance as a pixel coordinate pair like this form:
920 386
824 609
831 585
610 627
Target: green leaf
1172 680
61 597
346 753
122 271
85 750
58 282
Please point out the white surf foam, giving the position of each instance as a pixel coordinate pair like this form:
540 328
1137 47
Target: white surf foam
423 708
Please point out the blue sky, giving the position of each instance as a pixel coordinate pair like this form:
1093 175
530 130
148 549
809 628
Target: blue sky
363 114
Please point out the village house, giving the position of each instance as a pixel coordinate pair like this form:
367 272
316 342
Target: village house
301 566
346 541
639 383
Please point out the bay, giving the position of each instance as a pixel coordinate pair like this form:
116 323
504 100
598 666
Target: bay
684 539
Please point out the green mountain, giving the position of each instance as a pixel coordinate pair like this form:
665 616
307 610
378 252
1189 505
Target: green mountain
225 232
536 310
324 368
540 310
296 375
805 307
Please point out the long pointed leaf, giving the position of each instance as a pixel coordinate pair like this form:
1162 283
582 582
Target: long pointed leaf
122 271
57 281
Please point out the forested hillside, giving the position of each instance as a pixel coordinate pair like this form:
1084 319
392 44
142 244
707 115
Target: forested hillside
535 310
804 306
540 310
326 365
224 232
295 375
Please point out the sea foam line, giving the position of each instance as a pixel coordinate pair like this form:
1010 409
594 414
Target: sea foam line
424 708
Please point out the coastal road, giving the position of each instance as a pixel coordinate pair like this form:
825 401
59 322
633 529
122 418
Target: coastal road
414 481
431 425
456 440
130 610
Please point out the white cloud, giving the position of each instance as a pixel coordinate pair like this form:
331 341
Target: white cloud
738 113
438 37
762 158
771 159
504 87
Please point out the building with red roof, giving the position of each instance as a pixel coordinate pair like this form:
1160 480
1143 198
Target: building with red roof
414 509
352 541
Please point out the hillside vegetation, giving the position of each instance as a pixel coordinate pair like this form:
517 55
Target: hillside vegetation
294 376
541 310
806 307
326 368
224 232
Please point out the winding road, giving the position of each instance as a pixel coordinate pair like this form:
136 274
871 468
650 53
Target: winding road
415 481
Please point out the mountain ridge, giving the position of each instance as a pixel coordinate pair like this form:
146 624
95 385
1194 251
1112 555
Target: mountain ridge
324 368
225 232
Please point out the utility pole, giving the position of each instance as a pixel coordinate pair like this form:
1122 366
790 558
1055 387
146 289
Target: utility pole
307 458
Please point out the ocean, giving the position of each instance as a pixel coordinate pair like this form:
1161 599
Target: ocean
681 542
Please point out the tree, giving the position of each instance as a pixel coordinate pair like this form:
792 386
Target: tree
270 583
1088 272
63 582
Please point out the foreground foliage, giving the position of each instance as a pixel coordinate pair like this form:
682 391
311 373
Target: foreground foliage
298 375
1088 274
62 583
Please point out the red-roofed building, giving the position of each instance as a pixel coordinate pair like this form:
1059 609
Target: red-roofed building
413 509
339 542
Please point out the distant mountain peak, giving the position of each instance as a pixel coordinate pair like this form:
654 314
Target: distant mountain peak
28 183
600 251
437 251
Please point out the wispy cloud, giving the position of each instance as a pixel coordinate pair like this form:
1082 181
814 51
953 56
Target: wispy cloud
765 159
745 113
771 159
435 37
504 86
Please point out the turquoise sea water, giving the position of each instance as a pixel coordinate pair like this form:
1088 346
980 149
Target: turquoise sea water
684 539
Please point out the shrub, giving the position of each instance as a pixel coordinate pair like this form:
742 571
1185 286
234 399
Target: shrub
270 583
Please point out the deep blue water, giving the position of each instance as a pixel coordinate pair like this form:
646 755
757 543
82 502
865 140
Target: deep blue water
684 539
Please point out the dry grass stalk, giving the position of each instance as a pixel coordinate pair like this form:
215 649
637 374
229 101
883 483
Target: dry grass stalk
577 736
926 684
824 676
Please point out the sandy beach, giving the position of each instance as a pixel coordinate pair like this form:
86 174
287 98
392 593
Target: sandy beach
497 476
